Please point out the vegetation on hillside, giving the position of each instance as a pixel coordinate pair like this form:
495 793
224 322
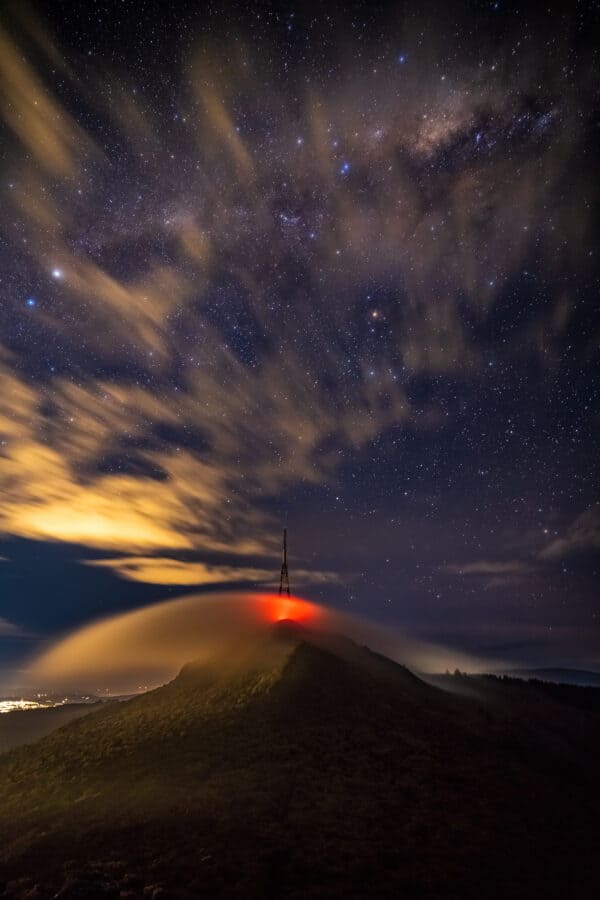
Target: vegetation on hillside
313 770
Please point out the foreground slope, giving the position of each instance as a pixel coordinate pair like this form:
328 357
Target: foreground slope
312 768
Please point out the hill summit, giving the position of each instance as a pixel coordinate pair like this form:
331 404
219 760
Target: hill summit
306 765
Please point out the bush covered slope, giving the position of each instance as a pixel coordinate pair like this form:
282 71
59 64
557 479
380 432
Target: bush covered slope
312 769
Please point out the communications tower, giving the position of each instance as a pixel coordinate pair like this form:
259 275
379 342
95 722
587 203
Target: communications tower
284 580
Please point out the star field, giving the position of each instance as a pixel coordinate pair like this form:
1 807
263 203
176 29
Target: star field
334 268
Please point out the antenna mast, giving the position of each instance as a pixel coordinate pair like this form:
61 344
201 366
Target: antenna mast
284 580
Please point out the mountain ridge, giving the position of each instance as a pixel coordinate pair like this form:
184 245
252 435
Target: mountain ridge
307 767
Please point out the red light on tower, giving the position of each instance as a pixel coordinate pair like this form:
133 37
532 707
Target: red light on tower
282 607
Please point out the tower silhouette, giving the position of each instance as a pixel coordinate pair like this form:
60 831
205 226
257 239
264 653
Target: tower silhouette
284 580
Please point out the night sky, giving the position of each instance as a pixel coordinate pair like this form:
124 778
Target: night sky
333 268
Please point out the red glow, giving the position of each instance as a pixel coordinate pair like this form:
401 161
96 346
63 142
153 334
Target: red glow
278 607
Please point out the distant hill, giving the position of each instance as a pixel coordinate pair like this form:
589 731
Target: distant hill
559 676
309 768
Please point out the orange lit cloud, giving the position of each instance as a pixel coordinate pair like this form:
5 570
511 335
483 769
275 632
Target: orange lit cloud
166 570
52 488
45 129
150 645
151 432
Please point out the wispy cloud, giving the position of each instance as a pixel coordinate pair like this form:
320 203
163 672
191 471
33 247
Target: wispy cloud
582 535
10 630
490 567
493 574
165 570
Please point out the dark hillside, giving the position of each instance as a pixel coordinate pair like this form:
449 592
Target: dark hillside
315 769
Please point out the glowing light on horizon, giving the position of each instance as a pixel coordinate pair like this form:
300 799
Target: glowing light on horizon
150 645
279 608
7 706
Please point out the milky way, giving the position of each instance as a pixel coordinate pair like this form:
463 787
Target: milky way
331 268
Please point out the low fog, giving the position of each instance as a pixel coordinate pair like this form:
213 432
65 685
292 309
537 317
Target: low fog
137 650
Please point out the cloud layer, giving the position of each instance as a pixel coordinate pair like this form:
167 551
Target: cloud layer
286 269
148 646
